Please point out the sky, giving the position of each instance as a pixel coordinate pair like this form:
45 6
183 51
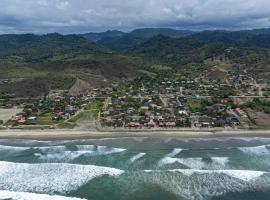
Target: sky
79 16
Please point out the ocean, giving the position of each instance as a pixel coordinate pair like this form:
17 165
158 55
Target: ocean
136 169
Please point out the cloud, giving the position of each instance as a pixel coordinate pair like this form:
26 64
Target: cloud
62 5
68 16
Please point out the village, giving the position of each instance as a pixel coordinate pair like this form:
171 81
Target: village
160 102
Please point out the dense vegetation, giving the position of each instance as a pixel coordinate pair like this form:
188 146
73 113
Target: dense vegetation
41 63
116 55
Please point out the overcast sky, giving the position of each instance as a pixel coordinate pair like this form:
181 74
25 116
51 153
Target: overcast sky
77 16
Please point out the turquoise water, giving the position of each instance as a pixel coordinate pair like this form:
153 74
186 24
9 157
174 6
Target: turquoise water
136 169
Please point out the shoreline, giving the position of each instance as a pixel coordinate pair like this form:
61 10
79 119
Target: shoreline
77 135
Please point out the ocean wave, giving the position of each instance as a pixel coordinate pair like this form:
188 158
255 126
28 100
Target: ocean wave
67 155
136 157
62 156
42 149
202 184
31 196
174 153
197 163
86 147
258 150
245 175
103 150
100 150
12 148
169 157
49 178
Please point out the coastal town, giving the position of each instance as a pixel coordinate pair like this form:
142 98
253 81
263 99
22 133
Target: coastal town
159 102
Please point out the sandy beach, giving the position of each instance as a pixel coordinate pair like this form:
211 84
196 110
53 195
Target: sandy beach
73 135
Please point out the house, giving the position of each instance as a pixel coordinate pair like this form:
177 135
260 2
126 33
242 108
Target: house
151 123
56 116
182 112
217 108
205 122
70 110
220 123
170 124
22 121
134 124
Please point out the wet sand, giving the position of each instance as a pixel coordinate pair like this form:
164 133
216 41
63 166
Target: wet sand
73 135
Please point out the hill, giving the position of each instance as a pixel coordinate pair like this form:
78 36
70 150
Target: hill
176 52
242 50
99 36
24 58
152 32
122 42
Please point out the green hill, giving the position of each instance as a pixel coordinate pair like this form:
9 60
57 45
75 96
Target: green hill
26 57
122 42
99 36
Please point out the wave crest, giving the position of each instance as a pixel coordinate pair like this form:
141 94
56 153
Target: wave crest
49 178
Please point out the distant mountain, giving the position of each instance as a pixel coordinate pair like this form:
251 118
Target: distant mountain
152 32
31 47
238 50
100 36
122 42
176 52
265 31
240 38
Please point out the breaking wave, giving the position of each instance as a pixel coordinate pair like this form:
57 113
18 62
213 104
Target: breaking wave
194 163
62 156
136 157
258 150
168 156
12 148
49 178
86 147
31 196
202 184
197 163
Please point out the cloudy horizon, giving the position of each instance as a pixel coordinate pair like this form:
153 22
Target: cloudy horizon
78 16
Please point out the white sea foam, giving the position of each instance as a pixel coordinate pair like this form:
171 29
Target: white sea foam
62 156
136 157
202 184
65 155
99 150
103 150
197 163
169 157
50 149
85 147
12 148
48 178
174 152
32 196
245 175
139 139
42 149
258 150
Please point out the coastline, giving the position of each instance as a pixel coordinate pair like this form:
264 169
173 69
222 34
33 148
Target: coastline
76 135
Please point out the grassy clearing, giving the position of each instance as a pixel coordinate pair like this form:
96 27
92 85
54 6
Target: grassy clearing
90 113
67 125
45 119
95 105
194 106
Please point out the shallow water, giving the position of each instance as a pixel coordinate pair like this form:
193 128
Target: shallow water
136 169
